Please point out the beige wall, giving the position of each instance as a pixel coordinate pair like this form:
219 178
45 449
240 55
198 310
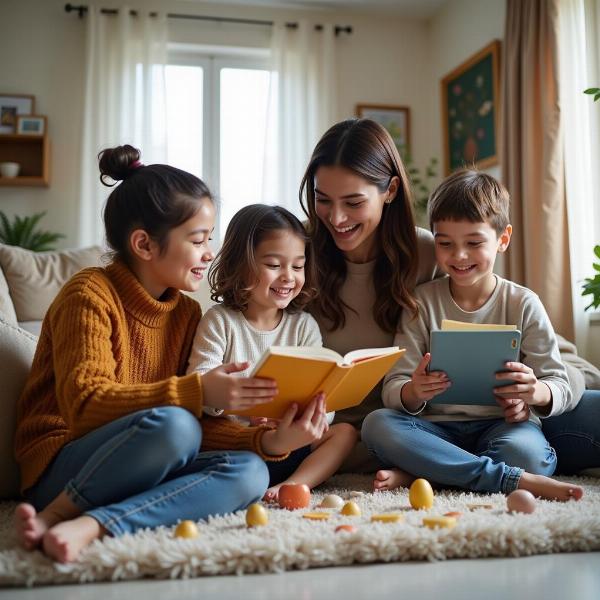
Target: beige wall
385 60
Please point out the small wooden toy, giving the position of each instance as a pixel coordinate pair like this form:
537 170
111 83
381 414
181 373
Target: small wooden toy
256 515
387 518
351 509
420 494
316 516
294 495
478 506
437 522
521 501
332 501
186 529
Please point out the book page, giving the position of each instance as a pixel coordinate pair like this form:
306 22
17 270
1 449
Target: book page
366 353
314 352
450 325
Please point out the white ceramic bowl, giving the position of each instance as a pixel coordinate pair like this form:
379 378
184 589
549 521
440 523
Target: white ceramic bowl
9 169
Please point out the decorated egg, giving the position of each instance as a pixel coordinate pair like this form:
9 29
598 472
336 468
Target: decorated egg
520 501
351 509
186 529
294 495
256 515
332 501
348 528
420 494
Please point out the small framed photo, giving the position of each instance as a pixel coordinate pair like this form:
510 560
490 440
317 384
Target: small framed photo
31 125
396 119
12 105
470 109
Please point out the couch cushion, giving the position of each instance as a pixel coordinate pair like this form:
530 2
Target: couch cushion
17 348
7 310
34 278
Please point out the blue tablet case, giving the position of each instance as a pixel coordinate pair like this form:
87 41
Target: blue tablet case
471 360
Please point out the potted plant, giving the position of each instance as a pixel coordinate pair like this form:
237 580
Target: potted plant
23 232
592 284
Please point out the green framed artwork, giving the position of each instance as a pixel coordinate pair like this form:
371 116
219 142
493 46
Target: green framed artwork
470 110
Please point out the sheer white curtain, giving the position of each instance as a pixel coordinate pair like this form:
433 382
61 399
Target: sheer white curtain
124 100
580 69
302 102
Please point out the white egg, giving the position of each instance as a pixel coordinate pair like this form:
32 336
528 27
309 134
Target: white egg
520 501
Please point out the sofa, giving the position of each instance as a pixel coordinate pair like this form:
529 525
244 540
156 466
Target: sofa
28 283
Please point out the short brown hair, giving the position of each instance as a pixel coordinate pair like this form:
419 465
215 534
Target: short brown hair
472 196
234 272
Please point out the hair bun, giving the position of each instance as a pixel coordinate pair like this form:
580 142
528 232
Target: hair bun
118 163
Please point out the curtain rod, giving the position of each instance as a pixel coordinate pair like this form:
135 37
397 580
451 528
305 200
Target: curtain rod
82 10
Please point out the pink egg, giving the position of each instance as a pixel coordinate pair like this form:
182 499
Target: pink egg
520 501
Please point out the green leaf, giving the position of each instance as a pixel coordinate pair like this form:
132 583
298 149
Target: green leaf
597 251
596 96
24 232
591 91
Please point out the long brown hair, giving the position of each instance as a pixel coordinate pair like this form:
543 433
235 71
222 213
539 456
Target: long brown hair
234 272
365 148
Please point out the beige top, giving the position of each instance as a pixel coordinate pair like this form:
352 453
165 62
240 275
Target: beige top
360 329
509 304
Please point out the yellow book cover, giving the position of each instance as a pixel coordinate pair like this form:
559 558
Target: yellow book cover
450 325
302 371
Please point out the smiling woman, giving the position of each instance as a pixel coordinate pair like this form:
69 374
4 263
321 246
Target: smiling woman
368 253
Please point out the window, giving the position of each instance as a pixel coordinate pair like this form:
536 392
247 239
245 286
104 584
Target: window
218 109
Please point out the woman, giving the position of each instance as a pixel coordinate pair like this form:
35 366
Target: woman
370 256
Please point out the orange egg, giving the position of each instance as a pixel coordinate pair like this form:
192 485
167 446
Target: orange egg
348 528
294 495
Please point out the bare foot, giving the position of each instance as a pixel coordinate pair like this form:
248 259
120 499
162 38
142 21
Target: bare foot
546 487
30 526
390 479
65 541
272 494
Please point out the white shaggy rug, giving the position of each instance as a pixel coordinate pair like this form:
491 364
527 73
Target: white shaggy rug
225 545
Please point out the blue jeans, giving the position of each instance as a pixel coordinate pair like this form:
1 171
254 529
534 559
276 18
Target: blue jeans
576 435
484 456
145 470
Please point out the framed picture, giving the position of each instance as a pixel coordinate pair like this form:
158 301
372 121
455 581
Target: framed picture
12 105
396 119
470 110
31 124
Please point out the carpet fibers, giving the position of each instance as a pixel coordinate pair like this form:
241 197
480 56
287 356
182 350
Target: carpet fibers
289 541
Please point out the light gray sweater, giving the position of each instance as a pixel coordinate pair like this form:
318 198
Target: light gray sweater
361 330
509 304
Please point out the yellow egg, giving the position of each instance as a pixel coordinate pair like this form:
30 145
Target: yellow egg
186 529
351 509
256 515
420 494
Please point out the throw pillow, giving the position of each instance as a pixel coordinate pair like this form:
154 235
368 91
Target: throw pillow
17 348
7 310
34 278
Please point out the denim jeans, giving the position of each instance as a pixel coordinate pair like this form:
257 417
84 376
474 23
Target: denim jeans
145 470
484 456
576 435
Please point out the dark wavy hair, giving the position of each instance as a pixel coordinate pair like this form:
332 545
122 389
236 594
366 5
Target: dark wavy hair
367 149
155 198
234 272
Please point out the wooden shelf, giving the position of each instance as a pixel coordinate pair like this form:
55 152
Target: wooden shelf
32 152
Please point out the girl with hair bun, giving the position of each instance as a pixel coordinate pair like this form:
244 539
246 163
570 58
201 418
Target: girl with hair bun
108 436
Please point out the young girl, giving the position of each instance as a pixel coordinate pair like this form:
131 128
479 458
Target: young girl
262 276
108 437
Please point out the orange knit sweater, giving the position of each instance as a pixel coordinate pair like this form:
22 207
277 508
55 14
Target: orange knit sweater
108 349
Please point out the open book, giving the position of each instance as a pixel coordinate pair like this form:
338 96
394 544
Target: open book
471 354
302 371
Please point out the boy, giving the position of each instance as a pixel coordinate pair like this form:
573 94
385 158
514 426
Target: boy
481 448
